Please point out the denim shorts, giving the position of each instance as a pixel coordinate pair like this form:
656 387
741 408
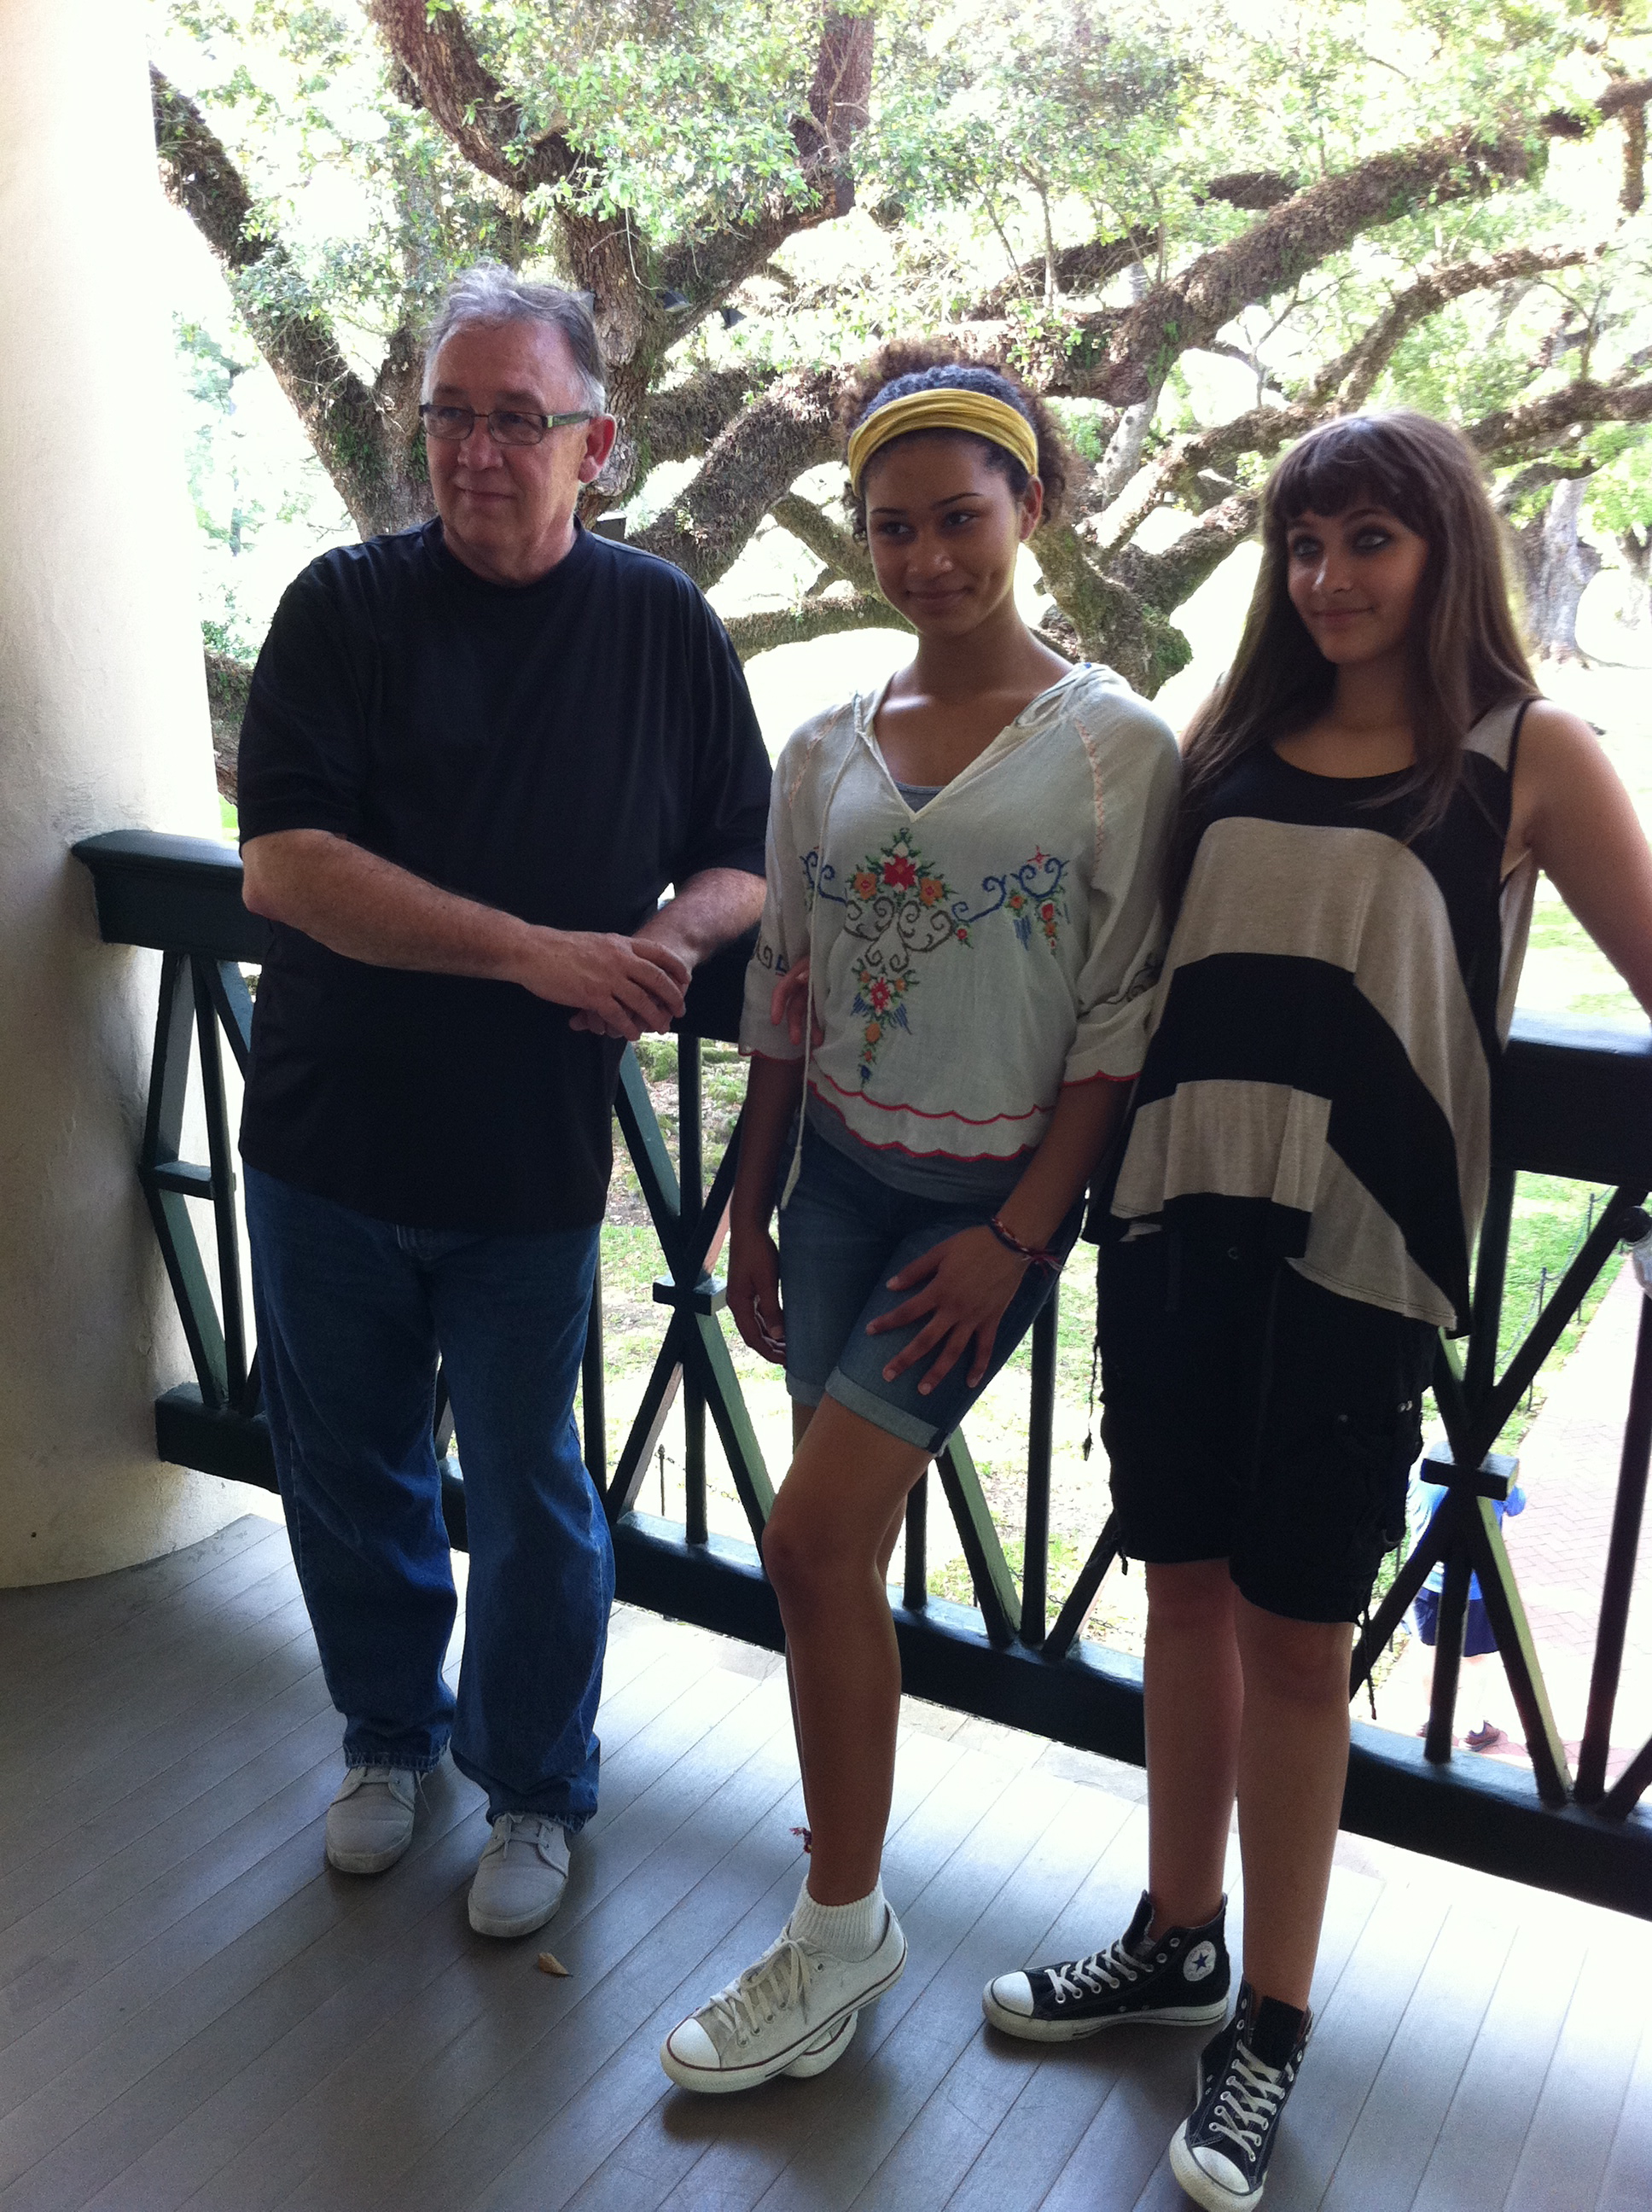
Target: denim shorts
843 1235
1251 1415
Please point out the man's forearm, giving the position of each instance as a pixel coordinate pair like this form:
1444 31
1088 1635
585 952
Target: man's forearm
369 909
711 910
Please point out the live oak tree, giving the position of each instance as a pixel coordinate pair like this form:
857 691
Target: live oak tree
1359 203
1617 501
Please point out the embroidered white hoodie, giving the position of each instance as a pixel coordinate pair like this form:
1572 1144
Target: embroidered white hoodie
971 957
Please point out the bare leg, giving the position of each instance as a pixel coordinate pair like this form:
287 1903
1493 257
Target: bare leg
1473 1685
885 1553
801 1417
891 1538
1193 1700
1293 1762
826 1548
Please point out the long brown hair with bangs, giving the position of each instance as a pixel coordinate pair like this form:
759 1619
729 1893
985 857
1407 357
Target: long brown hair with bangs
1465 659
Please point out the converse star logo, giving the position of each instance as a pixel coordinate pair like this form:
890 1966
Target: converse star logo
1200 1962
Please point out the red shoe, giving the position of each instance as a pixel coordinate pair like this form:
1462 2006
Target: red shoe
1483 1739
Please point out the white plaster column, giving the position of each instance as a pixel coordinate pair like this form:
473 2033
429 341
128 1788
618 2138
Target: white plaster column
103 726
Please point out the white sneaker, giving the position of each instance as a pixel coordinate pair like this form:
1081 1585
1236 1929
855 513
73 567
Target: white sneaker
370 1821
520 1876
793 2011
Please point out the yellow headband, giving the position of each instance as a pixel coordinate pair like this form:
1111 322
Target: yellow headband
976 412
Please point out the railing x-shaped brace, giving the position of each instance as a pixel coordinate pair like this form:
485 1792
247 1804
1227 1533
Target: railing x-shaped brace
209 995
693 1359
694 1356
1464 1534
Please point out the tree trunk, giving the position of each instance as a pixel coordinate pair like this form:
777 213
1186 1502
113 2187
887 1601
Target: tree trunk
1636 546
1558 567
229 682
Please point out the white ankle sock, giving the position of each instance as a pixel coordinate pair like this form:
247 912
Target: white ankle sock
847 1931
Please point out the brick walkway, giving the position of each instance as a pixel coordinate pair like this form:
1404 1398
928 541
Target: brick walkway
1568 1471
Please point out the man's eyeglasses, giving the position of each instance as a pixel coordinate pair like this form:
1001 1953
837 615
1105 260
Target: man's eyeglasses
507 426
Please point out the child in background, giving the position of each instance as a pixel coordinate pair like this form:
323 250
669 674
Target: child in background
1479 1645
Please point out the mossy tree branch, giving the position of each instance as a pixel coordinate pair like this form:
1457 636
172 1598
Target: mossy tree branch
705 271
1120 601
1165 580
228 682
361 434
1121 353
1087 268
753 461
466 100
1338 387
819 615
682 421
1113 623
830 543
607 254
1559 419
1350 377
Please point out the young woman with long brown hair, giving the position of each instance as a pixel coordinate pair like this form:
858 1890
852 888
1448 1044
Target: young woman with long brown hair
1367 801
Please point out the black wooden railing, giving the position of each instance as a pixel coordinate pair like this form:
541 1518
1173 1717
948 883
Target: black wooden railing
1577 1103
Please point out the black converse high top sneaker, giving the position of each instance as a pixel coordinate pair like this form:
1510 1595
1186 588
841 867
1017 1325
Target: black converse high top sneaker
1220 2152
1179 1978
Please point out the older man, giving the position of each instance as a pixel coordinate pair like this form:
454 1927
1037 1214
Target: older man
475 755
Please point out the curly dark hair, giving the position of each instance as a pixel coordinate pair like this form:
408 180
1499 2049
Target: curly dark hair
909 365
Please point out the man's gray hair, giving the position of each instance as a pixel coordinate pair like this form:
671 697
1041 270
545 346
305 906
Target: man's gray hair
491 294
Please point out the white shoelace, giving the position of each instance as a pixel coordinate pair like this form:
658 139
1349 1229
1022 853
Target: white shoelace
517 1828
386 1776
1111 1968
777 1980
1249 2101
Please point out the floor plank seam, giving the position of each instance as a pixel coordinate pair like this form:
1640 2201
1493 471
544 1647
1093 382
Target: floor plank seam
138 1836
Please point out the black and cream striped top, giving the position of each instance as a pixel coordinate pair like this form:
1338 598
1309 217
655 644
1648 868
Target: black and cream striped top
1318 1083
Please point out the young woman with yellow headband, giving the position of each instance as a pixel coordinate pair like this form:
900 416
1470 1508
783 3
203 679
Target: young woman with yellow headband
969 859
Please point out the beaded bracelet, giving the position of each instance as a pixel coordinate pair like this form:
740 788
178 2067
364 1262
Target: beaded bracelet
1012 1243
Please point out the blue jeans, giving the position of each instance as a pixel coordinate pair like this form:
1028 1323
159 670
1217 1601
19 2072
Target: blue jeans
351 1312
843 1234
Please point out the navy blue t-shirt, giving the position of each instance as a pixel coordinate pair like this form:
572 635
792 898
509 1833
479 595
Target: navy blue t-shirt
561 750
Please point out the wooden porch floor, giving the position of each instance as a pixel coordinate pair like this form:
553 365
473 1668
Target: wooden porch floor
194 2011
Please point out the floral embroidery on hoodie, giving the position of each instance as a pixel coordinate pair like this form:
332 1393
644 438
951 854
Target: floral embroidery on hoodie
900 907
1035 895
1042 859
